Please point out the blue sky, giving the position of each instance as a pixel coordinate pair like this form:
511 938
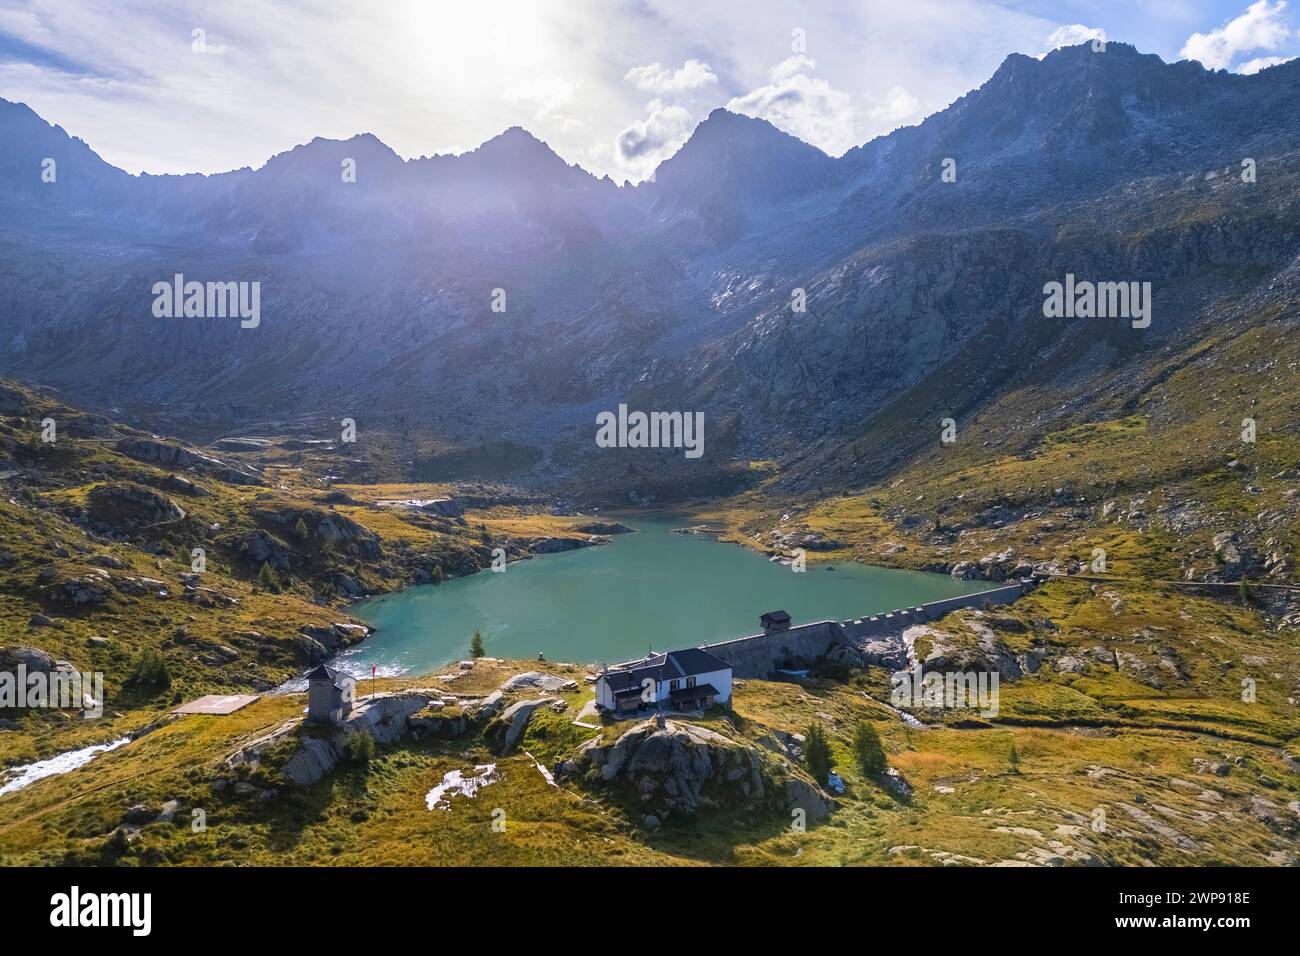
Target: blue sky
614 85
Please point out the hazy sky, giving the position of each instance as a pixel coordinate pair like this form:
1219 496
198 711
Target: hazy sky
614 85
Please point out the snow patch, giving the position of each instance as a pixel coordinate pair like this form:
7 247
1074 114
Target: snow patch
455 782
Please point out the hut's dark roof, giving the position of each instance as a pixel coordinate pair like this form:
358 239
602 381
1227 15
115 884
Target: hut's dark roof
661 667
335 677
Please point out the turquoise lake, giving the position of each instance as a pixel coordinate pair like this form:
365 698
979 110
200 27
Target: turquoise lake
650 589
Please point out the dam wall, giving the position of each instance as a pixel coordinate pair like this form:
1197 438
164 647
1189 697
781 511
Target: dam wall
867 627
759 655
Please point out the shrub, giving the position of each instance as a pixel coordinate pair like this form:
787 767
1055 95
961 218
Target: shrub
150 671
359 747
268 579
817 754
868 748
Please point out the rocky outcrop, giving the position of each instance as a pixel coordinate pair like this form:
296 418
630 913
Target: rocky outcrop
323 527
260 547
539 681
555 545
1236 559
385 717
243 444
315 758
434 722
170 455
334 637
126 506
603 527
680 768
13 401
85 590
505 731
183 486
976 648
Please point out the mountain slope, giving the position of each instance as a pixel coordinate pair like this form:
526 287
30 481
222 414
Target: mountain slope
380 297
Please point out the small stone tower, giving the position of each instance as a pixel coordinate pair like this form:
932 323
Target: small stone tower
329 695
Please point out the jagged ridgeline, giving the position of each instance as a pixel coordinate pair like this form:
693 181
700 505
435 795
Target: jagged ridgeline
865 342
378 294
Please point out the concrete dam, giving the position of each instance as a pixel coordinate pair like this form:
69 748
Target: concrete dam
759 655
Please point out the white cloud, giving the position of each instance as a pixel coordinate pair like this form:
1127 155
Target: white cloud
548 93
642 146
1262 63
898 108
802 105
438 77
654 78
1259 28
1073 35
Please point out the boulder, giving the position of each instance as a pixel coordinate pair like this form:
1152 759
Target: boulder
806 796
86 591
308 650
33 659
138 814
